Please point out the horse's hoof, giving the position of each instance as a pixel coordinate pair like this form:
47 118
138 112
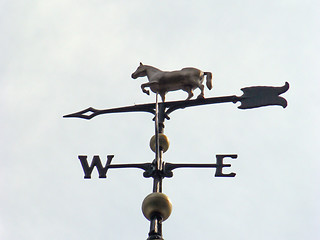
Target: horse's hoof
200 97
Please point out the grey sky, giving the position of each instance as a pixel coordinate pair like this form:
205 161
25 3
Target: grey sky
58 57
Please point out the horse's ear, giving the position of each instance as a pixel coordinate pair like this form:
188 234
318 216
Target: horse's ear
141 64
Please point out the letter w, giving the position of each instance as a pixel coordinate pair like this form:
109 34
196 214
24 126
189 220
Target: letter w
96 162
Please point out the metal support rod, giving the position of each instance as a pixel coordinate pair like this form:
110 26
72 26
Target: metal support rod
159 126
157 180
158 163
156 221
155 228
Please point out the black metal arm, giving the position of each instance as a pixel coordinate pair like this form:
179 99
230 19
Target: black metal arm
253 97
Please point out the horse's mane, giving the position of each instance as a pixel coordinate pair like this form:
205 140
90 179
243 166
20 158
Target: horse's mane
152 67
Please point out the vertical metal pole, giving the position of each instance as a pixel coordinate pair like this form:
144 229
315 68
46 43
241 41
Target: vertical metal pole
157 183
156 221
157 134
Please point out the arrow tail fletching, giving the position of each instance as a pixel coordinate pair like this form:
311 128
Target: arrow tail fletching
260 96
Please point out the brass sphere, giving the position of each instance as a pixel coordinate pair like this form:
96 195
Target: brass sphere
156 203
163 142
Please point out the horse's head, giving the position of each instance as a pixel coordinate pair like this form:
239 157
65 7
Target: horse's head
140 72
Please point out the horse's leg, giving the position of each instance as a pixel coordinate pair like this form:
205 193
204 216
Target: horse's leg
201 86
143 86
190 94
189 90
163 96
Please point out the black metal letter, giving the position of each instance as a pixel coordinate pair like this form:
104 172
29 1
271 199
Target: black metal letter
96 162
220 165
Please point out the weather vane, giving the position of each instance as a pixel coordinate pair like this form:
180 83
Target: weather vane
157 207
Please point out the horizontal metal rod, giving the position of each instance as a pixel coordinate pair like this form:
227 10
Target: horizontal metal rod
143 166
91 112
172 106
172 166
167 166
253 97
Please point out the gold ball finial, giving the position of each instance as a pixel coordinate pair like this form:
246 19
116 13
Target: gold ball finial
163 142
157 203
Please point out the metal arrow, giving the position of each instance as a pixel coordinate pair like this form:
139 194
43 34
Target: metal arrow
253 97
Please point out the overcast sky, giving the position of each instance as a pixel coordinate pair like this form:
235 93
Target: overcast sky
59 57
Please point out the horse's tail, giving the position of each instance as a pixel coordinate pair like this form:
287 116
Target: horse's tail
209 79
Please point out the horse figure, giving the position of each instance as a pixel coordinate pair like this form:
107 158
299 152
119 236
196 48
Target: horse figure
186 79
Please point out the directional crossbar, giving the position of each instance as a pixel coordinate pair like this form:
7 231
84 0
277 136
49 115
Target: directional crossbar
149 168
